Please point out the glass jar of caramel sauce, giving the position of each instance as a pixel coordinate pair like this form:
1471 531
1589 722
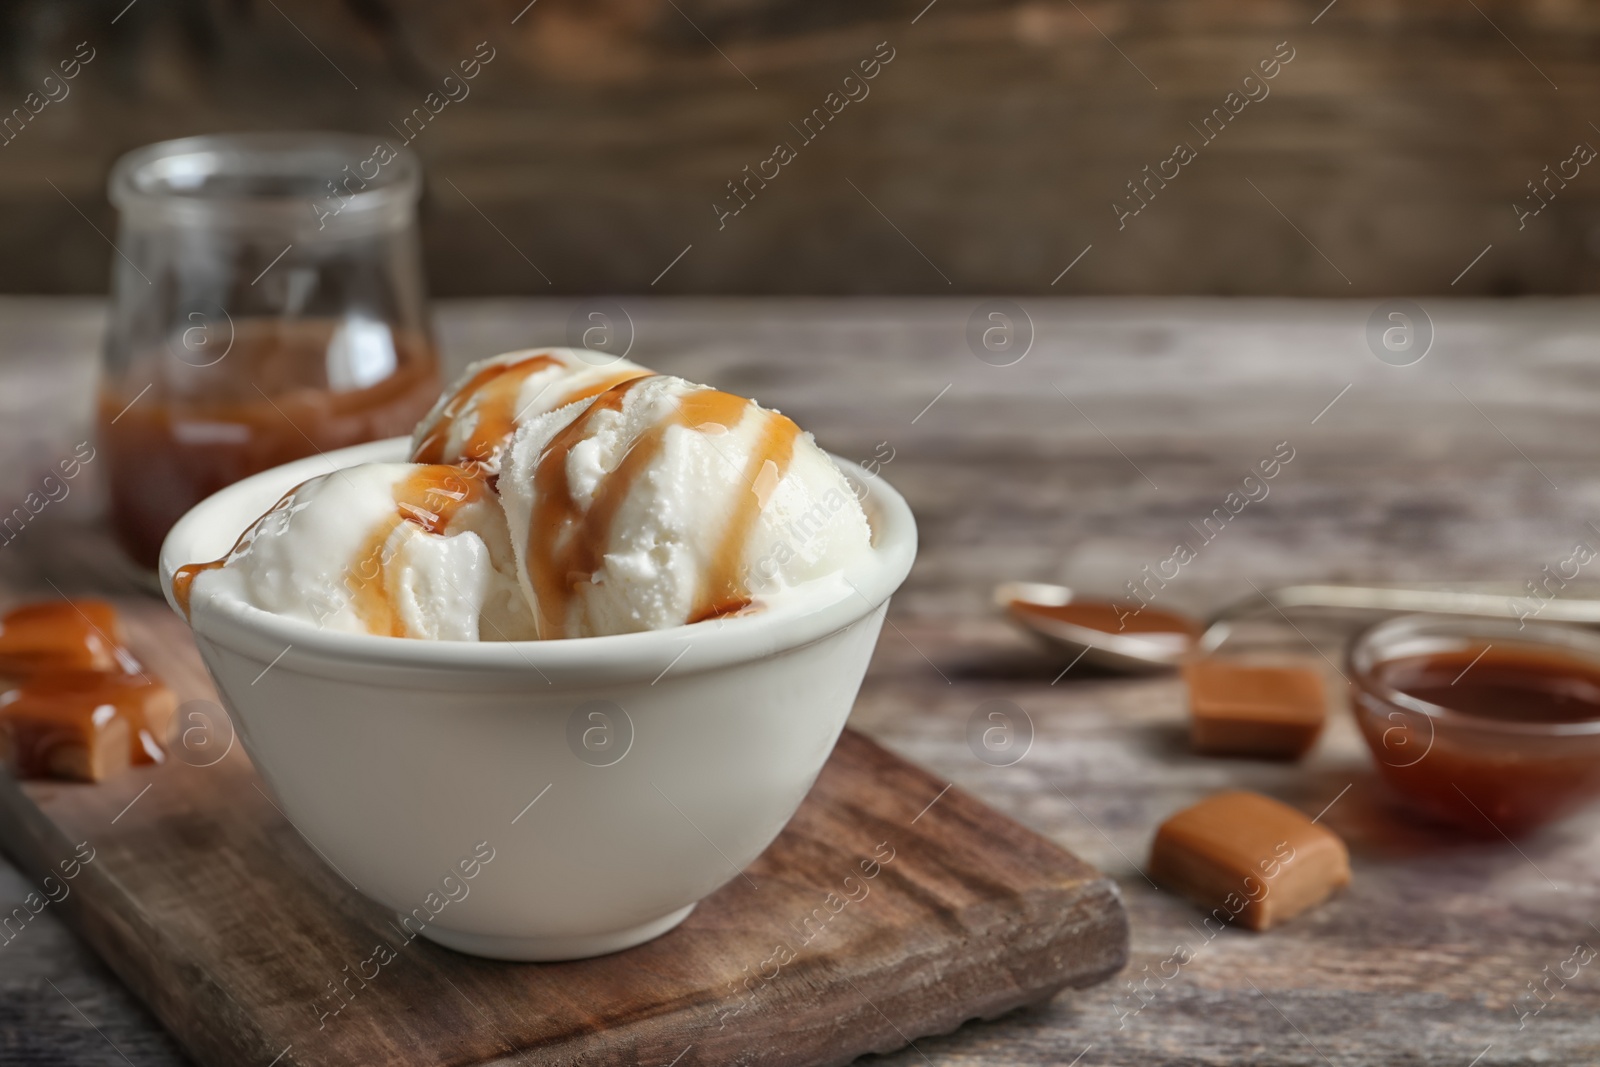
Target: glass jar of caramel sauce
267 304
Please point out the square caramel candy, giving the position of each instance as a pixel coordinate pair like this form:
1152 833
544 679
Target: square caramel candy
1237 709
1249 859
83 725
71 635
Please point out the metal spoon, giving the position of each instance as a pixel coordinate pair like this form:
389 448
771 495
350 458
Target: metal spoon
1140 652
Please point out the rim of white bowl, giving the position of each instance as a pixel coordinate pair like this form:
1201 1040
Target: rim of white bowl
208 529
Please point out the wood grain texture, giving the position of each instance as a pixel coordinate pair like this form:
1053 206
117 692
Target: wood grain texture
591 151
1426 472
203 899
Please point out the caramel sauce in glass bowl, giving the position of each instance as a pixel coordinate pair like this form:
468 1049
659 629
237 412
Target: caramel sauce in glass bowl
1479 723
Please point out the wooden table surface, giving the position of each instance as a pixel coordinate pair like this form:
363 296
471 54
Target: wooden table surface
1082 463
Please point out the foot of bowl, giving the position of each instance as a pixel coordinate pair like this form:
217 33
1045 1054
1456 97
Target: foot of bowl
550 949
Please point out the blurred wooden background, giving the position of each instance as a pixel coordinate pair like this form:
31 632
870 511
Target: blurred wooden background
986 158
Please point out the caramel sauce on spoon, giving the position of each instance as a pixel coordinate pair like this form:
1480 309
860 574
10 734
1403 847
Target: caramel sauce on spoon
1109 618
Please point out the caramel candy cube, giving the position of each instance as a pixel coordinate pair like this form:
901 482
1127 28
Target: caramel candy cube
83 743
83 725
1241 710
74 635
1248 858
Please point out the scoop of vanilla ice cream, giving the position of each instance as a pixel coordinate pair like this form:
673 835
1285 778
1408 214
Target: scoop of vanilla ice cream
474 419
400 549
661 502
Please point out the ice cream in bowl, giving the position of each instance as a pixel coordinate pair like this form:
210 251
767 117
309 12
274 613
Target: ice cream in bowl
546 674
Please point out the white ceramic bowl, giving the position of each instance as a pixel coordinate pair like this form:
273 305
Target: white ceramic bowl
406 762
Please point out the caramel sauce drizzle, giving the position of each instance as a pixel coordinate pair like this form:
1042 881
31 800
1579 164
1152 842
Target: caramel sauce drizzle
606 384
498 385
495 389
566 545
183 578
428 497
558 554
725 590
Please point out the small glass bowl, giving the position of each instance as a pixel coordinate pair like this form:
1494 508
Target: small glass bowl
1485 776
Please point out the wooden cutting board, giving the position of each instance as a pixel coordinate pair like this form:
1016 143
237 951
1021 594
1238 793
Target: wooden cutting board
224 920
